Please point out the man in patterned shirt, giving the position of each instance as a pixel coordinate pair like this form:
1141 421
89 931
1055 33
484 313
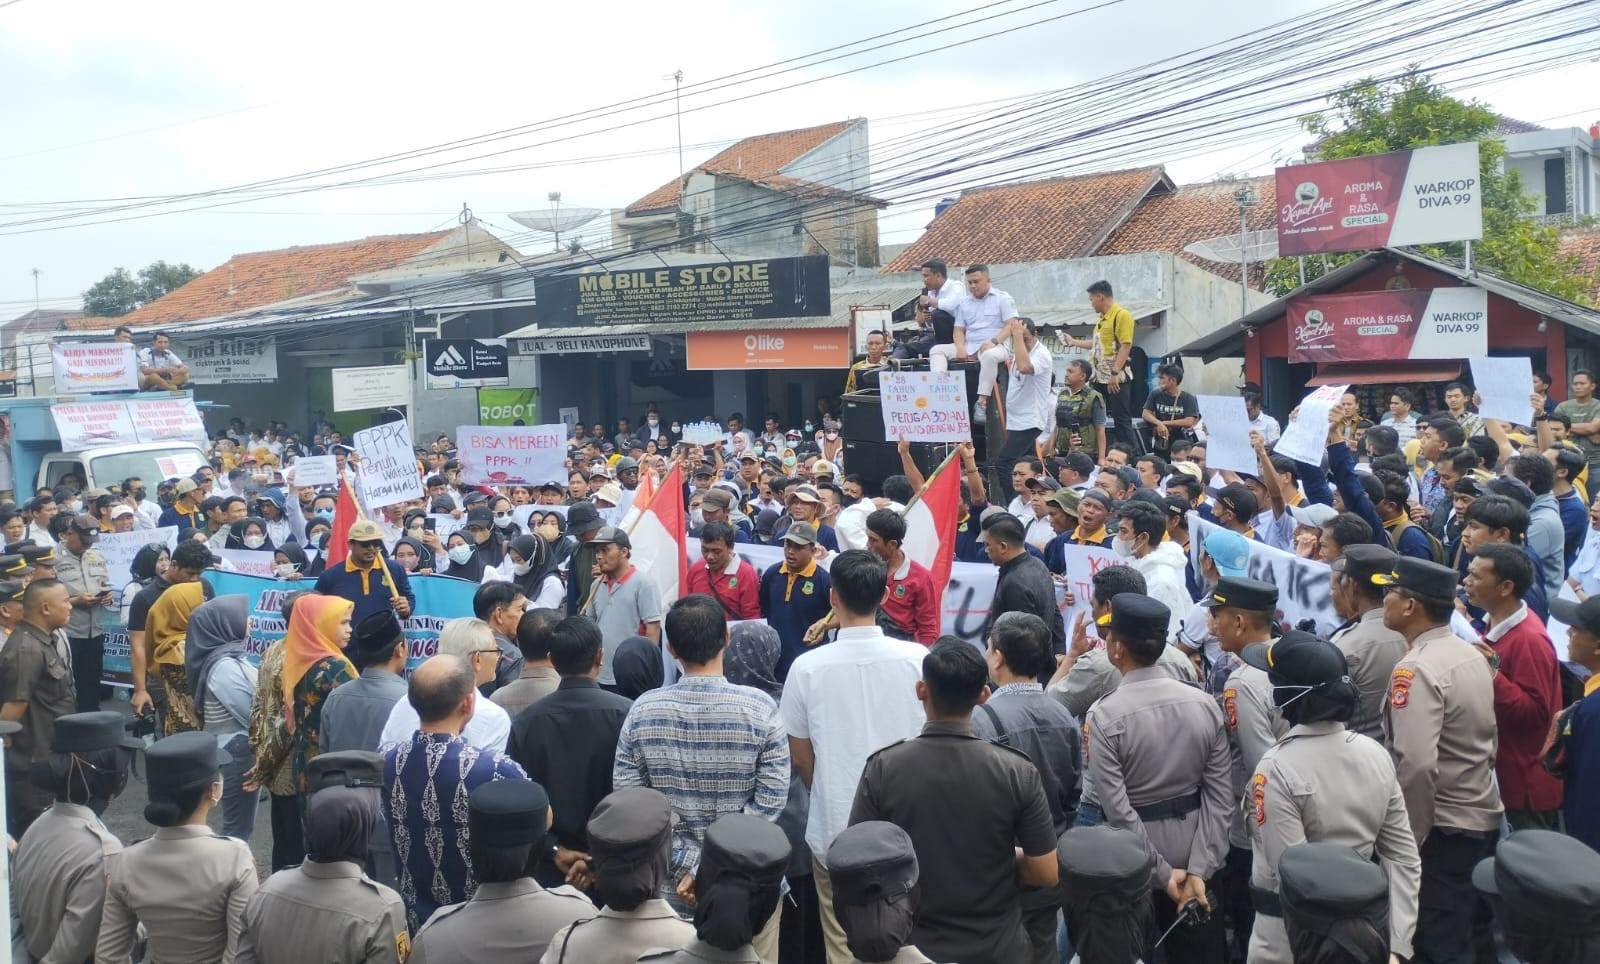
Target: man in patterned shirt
426 780
712 747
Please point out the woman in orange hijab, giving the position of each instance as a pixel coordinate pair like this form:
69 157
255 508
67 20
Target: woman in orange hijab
313 664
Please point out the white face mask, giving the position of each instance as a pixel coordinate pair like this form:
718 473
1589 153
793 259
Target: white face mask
283 570
503 520
254 542
697 517
1122 547
653 422
460 554
521 568
830 436
216 793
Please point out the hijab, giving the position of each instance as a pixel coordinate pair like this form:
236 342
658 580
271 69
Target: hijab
339 822
637 667
312 638
236 534
143 567
168 621
751 658
218 629
295 554
424 554
472 569
541 562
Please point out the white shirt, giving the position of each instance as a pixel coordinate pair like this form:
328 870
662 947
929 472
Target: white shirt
487 730
150 358
851 526
1039 533
950 295
984 317
1267 426
146 514
850 698
1022 508
1030 401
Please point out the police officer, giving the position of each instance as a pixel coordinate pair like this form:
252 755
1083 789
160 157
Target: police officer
59 880
510 917
736 890
1242 616
1370 648
874 872
1105 874
327 907
1158 753
1440 724
1323 783
1335 905
186 885
630 843
1545 888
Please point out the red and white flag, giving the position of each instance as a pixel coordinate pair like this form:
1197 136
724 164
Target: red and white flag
931 524
658 534
345 514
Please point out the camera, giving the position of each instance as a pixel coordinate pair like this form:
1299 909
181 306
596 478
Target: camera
142 725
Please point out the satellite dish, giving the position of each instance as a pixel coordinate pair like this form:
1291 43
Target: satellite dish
555 219
1230 248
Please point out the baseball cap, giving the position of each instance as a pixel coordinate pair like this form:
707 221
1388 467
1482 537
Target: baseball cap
801 534
1313 514
824 467
1044 482
805 493
1584 615
185 486
613 536
121 511
365 530
719 498
1229 551
482 518
86 526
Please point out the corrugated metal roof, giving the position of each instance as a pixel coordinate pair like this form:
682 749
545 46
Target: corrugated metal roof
1083 316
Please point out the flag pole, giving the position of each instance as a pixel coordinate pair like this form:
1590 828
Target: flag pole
595 586
383 567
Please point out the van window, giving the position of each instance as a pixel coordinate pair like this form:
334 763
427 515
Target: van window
56 469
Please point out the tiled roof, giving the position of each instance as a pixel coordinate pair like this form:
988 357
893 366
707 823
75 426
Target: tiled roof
1194 212
1055 219
754 158
266 277
39 319
1584 244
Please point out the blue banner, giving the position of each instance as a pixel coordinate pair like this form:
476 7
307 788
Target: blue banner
439 599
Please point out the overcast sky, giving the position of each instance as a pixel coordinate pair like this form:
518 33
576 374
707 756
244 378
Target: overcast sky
109 99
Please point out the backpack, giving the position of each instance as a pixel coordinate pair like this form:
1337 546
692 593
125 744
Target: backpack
1435 547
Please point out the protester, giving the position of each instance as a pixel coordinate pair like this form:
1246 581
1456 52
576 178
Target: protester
500 605
366 578
223 681
794 593
536 678
724 575
624 606
488 725
1024 584
1575 752
313 664
271 744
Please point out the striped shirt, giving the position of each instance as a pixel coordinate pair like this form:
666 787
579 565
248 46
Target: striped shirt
712 748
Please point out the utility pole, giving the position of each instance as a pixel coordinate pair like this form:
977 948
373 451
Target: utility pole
36 274
1246 198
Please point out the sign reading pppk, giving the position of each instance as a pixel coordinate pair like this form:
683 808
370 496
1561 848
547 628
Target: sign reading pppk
925 406
512 454
388 464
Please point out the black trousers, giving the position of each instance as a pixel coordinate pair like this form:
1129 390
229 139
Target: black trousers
88 661
1451 927
1119 412
288 833
25 802
1017 446
800 938
1234 885
1204 942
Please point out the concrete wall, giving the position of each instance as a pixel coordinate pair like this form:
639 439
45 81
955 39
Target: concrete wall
840 161
1201 303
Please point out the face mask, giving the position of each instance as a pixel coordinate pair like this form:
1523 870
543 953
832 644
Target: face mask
138 495
652 422
830 436
1122 547
283 570
503 520
676 428
810 427
521 568
254 542
326 515
460 554
760 450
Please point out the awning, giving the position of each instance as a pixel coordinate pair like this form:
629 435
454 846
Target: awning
1083 316
1385 373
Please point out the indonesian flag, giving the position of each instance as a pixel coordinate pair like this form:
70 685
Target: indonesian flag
345 514
658 534
931 524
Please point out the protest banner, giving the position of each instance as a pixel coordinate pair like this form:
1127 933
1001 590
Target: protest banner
316 470
512 454
167 420
1304 589
704 433
1386 325
1306 437
119 548
1227 434
925 406
94 366
88 424
1504 388
249 562
388 464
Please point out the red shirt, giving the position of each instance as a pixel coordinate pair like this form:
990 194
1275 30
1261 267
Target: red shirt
910 602
1527 695
737 588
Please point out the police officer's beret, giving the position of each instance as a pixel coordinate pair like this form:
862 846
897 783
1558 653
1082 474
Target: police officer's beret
1104 859
1363 561
183 760
1298 659
1139 617
630 822
745 846
39 555
869 861
1323 883
508 813
83 732
376 635
345 768
1546 881
1237 592
1420 576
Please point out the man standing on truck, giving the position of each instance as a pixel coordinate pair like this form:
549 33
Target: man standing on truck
184 510
159 368
82 569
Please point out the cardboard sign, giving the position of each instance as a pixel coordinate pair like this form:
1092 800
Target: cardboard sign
119 548
925 406
1408 197
1388 325
1306 438
388 464
1227 434
316 470
1504 385
250 562
94 366
512 454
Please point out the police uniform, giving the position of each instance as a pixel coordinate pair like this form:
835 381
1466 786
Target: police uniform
1323 783
61 863
873 868
34 670
630 829
1158 753
1370 648
505 920
1440 724
327 908
1335 904
741 853
1105 875
1545 889
186 885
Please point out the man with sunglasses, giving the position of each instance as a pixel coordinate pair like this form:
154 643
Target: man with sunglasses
361 580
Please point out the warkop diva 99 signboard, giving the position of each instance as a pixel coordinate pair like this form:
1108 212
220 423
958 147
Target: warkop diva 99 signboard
1425 196
1386 325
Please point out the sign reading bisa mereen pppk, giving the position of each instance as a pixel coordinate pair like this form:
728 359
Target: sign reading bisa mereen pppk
717 291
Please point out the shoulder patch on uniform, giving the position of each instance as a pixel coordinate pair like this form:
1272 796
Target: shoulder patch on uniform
1258 797
1400 688
1230 707
402 945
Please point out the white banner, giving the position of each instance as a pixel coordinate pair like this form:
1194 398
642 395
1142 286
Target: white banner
119 548
230 361
94 366
250 562
925 406
1305 439
316 470
382 386
512 454
1504 386
90 424
388 464
1304 591
1227 434
167 420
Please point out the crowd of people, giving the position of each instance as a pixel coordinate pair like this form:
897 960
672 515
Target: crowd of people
798 761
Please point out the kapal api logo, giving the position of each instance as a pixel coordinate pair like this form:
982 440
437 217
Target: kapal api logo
1314 328
1308 205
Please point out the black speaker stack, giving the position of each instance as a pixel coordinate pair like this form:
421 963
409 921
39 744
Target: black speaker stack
869 454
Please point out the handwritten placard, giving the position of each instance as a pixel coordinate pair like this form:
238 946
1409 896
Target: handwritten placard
512 454
388 464
925 406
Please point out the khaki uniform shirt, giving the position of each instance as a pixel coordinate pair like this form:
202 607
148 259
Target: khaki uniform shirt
59 882
502 922
619 936
84 575
34 671
698 951
1254 724
1156 739
188 887
1371 650
1322 783
1440 725
324 911
534 684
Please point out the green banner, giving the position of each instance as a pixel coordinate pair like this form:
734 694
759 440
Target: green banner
508 406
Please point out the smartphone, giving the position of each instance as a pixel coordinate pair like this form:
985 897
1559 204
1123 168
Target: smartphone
430 524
